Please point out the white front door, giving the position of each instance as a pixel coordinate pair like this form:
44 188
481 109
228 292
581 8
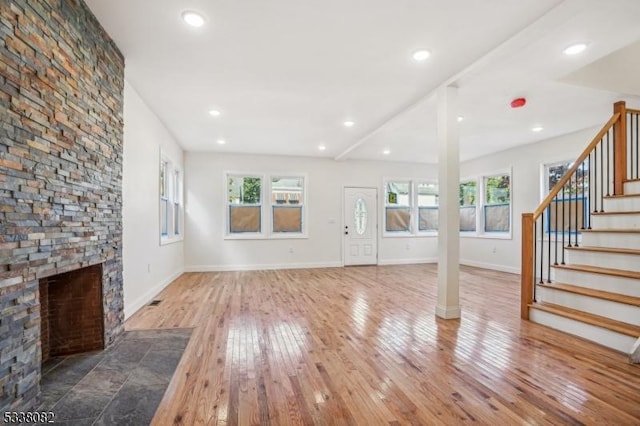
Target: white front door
360 226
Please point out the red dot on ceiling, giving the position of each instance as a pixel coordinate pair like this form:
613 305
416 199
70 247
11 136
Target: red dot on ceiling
518 102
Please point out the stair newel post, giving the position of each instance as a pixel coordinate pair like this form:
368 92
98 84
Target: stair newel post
528 259
620 147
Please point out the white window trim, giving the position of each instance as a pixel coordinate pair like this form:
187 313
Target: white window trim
413 206
170 193
480 204
266 222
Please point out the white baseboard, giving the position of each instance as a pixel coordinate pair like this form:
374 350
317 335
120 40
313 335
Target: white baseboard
132 308
382 262
501 268
225 268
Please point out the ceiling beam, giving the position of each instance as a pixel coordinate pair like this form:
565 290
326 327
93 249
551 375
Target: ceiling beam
541 25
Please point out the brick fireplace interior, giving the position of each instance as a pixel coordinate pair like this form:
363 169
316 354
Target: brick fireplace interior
71 312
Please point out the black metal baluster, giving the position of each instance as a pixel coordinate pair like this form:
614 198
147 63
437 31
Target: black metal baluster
590 190
555 230
542 250
608 175
563 229
614 154
535 256
549 244
595 180
583 195
575 207
635 141
601 144
569 218
632 174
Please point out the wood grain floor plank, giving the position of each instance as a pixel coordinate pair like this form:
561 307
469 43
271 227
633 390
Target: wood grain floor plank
362 345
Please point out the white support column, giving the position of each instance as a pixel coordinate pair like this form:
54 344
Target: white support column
449 208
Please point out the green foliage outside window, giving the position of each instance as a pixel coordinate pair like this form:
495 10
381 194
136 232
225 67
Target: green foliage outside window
497 189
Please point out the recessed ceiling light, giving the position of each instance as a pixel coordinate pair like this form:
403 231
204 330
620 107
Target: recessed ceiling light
537 129
321 147
221 141
574 49
193 18
460 118
214 113
349 123
421 55
386 152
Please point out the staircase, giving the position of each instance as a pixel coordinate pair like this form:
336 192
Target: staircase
596 293
581 267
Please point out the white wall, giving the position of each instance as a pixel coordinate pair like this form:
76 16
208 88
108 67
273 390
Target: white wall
148 267
206 248
526 163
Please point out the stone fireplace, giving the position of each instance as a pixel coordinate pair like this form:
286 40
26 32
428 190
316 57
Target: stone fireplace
61 136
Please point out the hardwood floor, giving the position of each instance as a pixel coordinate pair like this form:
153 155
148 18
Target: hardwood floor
362 346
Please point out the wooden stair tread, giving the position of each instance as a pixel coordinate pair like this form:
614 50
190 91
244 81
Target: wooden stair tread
605 249
622 196
617 231
615 212
599 294
587 318
599 270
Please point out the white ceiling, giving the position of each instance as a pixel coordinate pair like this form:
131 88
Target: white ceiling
285 74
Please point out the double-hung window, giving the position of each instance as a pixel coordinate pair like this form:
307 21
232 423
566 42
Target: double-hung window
427 201
244 211
567 210
497 203
164 198
287 204
398 205
468 195
171 205
265 206
485 205
410 207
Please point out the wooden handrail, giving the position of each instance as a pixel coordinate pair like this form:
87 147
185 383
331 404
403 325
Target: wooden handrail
633 111
527 274
620 148
556 189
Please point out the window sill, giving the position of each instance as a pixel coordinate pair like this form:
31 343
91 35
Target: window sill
166 240
410 235
488 236
253 236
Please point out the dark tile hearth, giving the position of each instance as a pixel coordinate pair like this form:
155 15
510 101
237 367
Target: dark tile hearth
122 385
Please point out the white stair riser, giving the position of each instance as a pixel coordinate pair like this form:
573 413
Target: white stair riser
605 308
622 204
627 286
616 221
632 187
626 262
611 239
608 338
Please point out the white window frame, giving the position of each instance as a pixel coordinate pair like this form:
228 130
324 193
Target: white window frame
544 189
266 215
414 208
481 203
173 193
484 203
479 193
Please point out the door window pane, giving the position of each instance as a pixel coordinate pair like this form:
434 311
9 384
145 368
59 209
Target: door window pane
360 216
